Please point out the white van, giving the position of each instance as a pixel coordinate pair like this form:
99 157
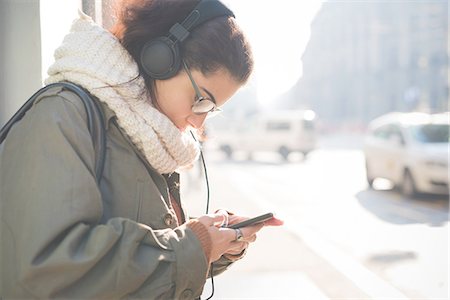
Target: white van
278 131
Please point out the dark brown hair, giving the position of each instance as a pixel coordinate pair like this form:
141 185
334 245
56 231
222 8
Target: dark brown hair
218 43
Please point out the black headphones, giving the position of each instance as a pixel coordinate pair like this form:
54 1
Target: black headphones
160 57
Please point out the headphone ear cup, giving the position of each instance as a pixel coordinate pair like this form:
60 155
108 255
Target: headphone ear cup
160 58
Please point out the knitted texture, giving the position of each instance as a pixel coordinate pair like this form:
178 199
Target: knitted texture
201 231
93 58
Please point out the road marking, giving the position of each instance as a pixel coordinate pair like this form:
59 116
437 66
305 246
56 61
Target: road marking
368 282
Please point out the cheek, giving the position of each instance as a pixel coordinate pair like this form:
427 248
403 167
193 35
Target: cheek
176 104
174 99
177 110
180 109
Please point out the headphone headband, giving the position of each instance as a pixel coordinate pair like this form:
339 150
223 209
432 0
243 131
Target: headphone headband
160 57
204 11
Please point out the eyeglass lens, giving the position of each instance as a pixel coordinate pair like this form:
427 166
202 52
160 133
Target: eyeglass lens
203 105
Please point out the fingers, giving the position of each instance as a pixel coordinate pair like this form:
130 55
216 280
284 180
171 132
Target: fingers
249 231
224 239
238 248
225 215
274 222
247 234
252 238
213 219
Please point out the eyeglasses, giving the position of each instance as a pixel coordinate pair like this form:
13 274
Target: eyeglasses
202 105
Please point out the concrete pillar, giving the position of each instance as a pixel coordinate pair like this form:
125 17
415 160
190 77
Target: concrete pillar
31 30
20 54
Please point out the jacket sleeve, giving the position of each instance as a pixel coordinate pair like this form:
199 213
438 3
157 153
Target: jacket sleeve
225 261
53 204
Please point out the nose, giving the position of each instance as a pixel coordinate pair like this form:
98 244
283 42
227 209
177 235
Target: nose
197 121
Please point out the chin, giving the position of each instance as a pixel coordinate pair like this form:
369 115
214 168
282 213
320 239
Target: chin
186 127
181 125
190 128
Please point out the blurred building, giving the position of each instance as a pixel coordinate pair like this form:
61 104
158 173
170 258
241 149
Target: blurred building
366 58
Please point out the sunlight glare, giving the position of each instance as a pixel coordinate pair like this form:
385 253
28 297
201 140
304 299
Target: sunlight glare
56 18
278 32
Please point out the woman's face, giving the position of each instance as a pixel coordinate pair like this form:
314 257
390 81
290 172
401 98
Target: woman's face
175 96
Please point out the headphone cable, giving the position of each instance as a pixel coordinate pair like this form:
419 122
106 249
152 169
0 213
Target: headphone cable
207 181
202 158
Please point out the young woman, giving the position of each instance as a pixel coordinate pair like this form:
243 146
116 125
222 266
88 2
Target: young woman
64 235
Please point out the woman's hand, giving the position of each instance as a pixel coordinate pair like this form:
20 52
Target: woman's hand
224 240
248 236
249 232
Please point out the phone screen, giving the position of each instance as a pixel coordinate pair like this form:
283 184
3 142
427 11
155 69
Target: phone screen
252 221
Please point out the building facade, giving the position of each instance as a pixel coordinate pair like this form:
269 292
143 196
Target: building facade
366 58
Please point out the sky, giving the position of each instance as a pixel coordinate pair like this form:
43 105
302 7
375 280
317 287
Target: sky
278 31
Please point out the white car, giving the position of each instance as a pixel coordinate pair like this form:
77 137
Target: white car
278 131
411 150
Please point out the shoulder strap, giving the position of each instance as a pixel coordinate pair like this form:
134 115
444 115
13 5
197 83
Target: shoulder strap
95 121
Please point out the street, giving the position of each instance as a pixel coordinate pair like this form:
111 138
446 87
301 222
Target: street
340 238
160 69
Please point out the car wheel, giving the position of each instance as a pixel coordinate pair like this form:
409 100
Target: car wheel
227 150
369 176
408 186
305 154
250 156
284 152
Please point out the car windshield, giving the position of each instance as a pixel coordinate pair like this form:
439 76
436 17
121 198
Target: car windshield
431 133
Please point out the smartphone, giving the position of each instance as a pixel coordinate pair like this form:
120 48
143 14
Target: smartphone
252 221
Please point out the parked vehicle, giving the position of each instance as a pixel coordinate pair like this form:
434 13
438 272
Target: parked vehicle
279 131
411 150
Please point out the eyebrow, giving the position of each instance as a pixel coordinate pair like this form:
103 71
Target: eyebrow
210 95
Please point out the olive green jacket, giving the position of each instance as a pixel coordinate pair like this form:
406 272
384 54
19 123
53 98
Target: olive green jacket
63 236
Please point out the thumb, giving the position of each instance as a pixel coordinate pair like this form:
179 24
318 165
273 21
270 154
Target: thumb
212 219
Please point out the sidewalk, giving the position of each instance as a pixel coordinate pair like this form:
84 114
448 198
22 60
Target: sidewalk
296 273
279 265
266 274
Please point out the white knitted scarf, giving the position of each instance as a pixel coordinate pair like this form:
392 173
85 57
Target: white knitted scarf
93 58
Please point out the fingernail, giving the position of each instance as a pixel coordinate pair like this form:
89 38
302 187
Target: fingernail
224 214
